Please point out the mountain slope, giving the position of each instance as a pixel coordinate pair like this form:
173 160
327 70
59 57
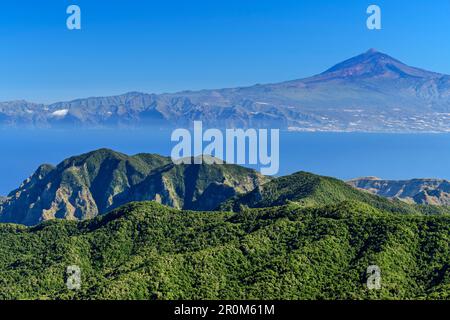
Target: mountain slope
369 92
374 64
94 183
420 191
147 251
311 190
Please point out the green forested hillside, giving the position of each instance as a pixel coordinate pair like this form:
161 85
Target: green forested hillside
309 189
148 251
301 236
97 182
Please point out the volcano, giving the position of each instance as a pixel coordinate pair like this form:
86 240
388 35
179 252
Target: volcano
371 92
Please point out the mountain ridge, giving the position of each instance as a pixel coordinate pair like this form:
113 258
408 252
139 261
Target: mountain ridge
84 186
310 190
371 92
419 191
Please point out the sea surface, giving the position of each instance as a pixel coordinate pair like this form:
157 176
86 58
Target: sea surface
341 155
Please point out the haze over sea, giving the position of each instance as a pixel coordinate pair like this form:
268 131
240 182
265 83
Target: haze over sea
341 155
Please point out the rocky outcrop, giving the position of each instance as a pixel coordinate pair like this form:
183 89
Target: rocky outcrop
420 191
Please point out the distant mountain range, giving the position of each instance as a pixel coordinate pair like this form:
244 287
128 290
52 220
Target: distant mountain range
370 92
92 184
420 191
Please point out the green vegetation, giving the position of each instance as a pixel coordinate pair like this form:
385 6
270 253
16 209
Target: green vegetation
97 182
148 251
312 190
296 237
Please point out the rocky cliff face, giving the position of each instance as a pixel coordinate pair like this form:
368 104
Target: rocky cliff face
420 191
85 186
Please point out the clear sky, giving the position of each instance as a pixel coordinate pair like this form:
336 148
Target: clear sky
173 45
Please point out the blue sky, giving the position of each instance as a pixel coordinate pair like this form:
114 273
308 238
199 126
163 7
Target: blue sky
173 45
